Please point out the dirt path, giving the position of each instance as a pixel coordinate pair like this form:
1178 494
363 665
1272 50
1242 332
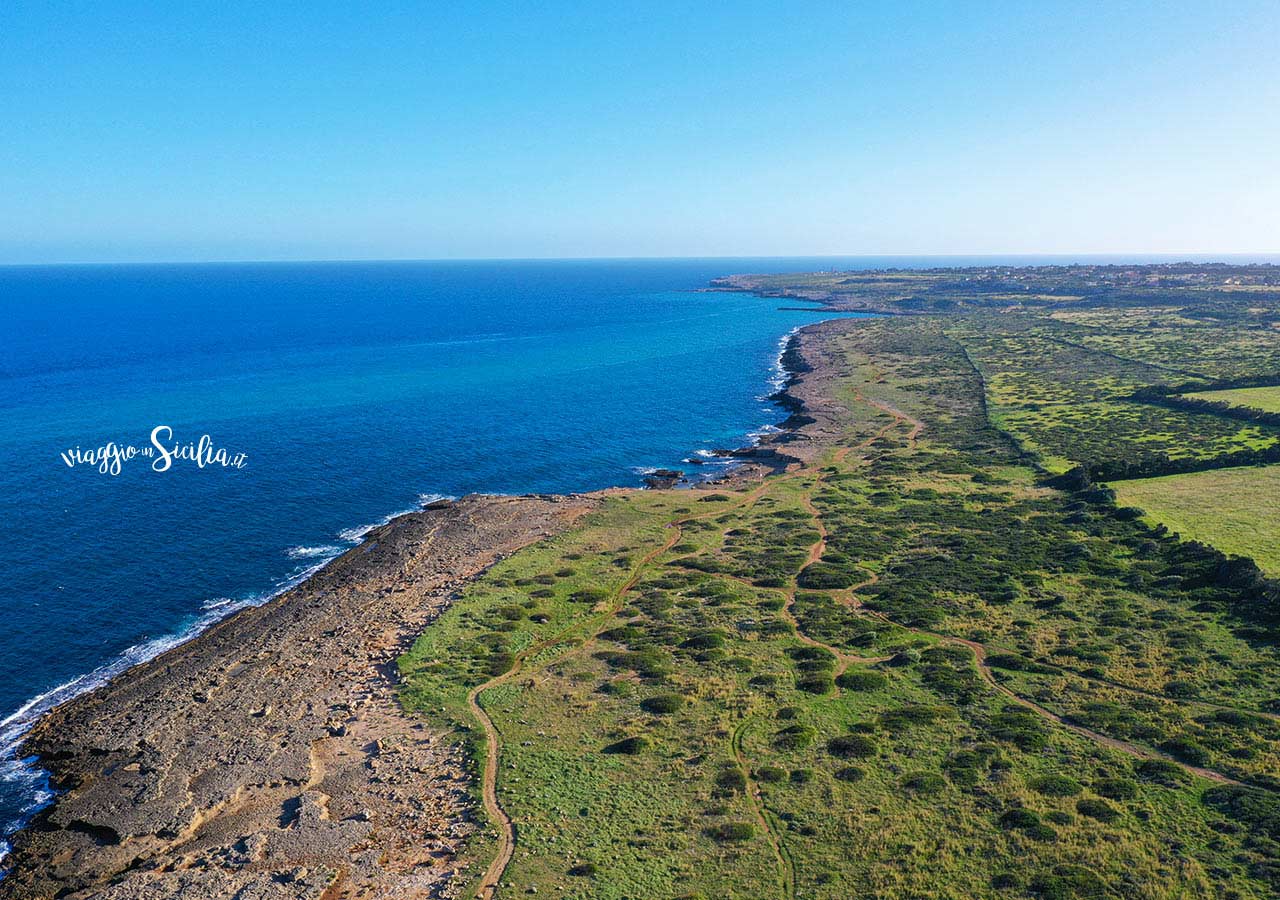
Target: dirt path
489 793
488 886
786 865
980 653
1143 692
899 416
815 554
284 723
841 453
979 650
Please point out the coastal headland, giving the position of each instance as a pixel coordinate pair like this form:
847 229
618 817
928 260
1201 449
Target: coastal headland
914 647
270 754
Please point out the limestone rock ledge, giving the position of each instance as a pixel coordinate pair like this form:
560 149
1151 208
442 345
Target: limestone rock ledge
269 757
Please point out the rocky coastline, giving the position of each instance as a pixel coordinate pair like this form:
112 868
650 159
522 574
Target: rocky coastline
269 757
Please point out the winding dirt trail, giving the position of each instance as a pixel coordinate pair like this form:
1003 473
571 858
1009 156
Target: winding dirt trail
980 654
1143 692
979 650
899 417
488 886
489 882
815 554
786 865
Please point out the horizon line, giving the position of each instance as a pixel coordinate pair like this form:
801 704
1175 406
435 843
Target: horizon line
1175 255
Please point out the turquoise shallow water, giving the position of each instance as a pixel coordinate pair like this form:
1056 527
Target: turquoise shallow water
354 390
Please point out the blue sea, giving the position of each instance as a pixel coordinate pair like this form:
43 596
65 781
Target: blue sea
347 393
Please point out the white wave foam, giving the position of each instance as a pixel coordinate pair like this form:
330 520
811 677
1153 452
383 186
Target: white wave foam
778 373
22 772
778 376
356 534
711 458
325 550
32 781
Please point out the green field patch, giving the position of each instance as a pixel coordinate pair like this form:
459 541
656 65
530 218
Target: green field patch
1266 399
1234 510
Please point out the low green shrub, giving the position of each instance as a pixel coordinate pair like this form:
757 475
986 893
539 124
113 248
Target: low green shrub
1056 786
1187 750
1097 809
1116 788
1161 771
923 782
628 746
852 746
730 781
816 683
794 737
861 680
500 663
1069 883
662 704
731 832
1019 819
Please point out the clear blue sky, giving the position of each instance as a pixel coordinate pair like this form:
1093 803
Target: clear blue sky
230 130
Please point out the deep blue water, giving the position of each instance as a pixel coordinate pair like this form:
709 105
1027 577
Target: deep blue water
355 389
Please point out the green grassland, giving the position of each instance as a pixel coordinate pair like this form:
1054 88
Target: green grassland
1068 402
1266 399
909 670
1066 435
1102 300
1211 343
1235 510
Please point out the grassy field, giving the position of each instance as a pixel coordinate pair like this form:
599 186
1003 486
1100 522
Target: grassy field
1266 399
1235 510
1063 393
909 670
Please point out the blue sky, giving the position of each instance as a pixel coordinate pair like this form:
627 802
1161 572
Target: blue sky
232 130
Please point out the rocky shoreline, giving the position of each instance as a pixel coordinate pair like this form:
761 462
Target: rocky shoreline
269 757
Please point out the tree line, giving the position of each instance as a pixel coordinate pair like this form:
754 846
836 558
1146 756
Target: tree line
1172 397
